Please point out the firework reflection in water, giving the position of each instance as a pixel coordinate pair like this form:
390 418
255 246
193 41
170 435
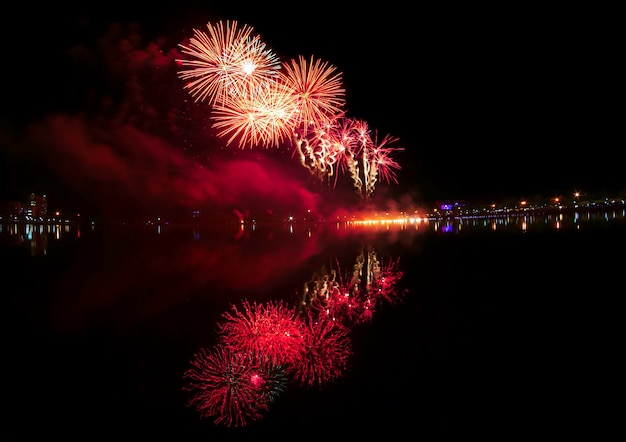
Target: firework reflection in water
261 347
232 387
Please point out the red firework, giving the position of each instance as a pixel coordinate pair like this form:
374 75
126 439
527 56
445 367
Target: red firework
260 344
385 286
380 158
350 305
327 149
231 386
328 348
270 330
355 298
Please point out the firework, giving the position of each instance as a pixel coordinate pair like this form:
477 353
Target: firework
378 162
339 298
385 285
230 386
346 139
259 101
374 158
271 330
327 149
328 348
342 144
355 297
224 61
317 88
257 117
261 346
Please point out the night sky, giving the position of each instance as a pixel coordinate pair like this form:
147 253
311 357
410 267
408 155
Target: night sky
486 103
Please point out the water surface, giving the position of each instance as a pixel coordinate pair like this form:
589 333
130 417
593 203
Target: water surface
505 330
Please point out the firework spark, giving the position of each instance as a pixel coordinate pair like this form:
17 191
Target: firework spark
231 386
259 101
355 297
262 346
343 144
270 330
257 117
317 88
380 163
224 61
328 348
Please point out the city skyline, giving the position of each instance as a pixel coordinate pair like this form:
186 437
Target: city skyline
36 209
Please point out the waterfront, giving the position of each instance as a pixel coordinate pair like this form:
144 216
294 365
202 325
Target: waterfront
36 236
506 331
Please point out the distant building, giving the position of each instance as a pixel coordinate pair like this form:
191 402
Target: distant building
35 208
451 207
11 210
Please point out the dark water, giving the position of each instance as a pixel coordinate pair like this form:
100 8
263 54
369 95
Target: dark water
508 331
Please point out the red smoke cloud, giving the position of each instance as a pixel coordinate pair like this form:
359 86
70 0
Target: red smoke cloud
121 167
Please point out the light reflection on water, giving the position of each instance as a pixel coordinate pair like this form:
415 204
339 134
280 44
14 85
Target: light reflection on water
158 266
37 238
522 222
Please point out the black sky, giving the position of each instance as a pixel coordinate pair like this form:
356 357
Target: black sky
486 102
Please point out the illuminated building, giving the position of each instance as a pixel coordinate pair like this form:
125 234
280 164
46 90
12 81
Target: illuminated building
35 208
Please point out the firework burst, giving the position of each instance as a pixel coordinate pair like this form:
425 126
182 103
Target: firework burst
232 387
262 346
270 330
355 297
328 348
261 116
259 101
378 162
385 283
342 144
225 60
317 88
